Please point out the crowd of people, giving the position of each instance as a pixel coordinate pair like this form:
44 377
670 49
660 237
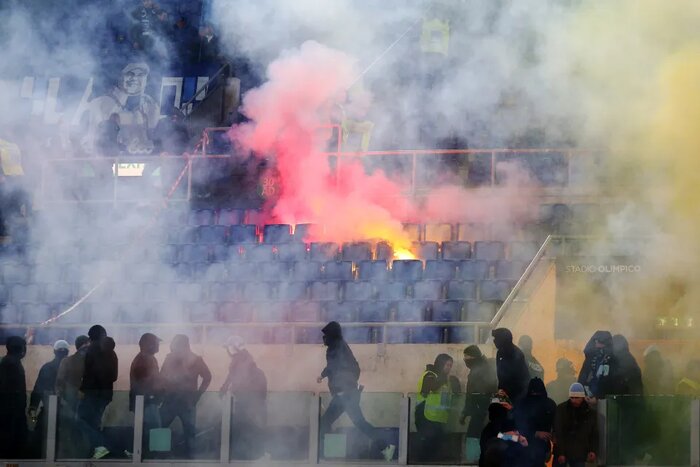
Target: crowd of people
511 417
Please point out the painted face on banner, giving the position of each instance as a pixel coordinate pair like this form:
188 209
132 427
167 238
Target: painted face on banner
134 81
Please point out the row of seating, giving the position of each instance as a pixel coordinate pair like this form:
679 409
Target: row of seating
375 311
225 292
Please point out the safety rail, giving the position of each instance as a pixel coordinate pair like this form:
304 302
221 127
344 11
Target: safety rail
212 84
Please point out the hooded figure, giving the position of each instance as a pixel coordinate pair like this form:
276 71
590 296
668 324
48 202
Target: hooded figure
558 390
658 373
13 400
599 367
534 418
533 365
495 451
511 367
481 383
144 377
343 373
628 378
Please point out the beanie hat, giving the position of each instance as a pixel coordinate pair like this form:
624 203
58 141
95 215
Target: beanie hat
61 345
577 390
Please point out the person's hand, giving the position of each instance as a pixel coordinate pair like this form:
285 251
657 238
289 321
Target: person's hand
523 441
561 460
501 393
319 380
462 419
591 457
592 401
543 435
32 414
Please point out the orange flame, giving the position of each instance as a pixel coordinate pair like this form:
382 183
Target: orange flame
403 253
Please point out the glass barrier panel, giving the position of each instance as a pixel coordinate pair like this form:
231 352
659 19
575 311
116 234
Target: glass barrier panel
359 426
181 426
652 430
273 426
79 180
91 426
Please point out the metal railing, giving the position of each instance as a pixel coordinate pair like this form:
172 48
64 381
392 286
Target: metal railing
211 85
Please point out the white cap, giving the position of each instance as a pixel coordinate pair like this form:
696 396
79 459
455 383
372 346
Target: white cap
236 342
61 345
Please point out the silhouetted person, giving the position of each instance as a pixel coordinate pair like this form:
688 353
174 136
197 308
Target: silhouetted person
482 382
599 368
101 371
144 380
558 389
628 379
343 373
657 377
533 365
511 367
575 430
248 385
44 387
170 135
68 381
209 50
181 373
534 418
497 451
13 400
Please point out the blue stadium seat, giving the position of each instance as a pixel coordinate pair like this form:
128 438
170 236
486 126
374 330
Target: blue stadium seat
274 271
169 254
55 293
356 252
309 335
301 232
277 233
461 290
274 312
361 335
396 335
511 270
180 235
391 291
33 313
9 314
212 234
223 253
384 252
358 291
292 291
407 270
338 271
480 311
225 292
307 271
258 253
426 250
258 291
195 254
439 233
201 217
202 312
242 271
413 232
229 217
373 312
471 232
157 291
373 271
131 312
456 250
291 252
323 251
473 270
16 273
489 251
409 311
25 293
495 291
4 294
324 291
211 272
278 335
343 312
426 335
234 312
246 233
188 292
446 310
427 290
523 251
440 270
125 293
461 335
305 311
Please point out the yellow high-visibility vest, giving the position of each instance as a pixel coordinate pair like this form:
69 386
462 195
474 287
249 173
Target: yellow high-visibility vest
437 403
435 37
10 159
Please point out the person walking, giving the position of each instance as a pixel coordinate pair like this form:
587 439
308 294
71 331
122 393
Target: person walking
13 400
343 373
482 382
511 367
575 430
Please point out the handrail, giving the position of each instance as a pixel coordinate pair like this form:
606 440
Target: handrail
205 87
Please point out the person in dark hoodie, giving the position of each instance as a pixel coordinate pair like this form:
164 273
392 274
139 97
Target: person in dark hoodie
44 387
657 377
628 378
558 389
534 419
533 365
433 406
68 380
498 442
99 375
481 383
180 374
599 367
343 373
575 430
144 380
13 400
248 385
511 367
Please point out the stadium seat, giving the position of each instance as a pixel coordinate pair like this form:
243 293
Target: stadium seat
188 292
202 312
180 235
222 292
324 291
523 251
480 311
396 335
384 252
373 271
391 291
246 233
276 271
212 234
356 252
461 290
472 232
456 250
446 310
213 272
305 311
277 233
16 273
4 294
234 312
258 253
229 217
195 254
489 251
343 312
362 335
157 291
307 271
426 250
439 233
258 291
201 217
242 271
292 291
169 254
338 271
309 335
55 293
427 290
129 312
472 270
358 291
511 270
323 251
9 314
223 253
413 232
373 312
439 270
411 310
271 312
291 252
461 335
25 293
494 291
301 232
426 335
408 270
34 313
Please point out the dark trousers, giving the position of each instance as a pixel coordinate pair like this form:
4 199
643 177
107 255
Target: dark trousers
13 433
186 411
90 411
432 436
349 402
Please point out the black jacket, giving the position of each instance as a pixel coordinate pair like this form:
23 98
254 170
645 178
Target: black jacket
535 413
575 432
13 387
342 369
599 369
628 379
495 451
482 382
511 368
45 382
101 370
